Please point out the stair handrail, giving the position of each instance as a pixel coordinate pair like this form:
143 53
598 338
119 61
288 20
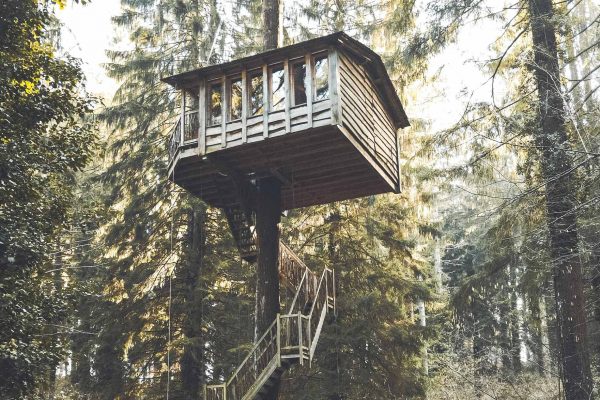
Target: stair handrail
307 335
258 344
315 333
290 272
297 294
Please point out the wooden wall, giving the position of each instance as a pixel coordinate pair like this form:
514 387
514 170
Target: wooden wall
365 117
354 106
250 129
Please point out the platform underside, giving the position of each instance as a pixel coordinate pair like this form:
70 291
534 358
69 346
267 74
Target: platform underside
316 166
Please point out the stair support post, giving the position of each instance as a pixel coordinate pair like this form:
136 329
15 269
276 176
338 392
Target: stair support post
278 339
268 216
301 356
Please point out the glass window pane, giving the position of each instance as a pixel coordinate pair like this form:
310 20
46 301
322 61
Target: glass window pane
214 104
256 94
321 78
235 107
277 88
299 79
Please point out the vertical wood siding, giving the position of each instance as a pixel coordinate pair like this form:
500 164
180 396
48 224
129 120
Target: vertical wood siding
364 115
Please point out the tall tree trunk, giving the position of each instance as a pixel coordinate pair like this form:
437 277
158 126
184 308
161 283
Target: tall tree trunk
515 340
192 365
504 326
423 324
595 280
538 334
268 216
271 11
58 287
557 166
331 360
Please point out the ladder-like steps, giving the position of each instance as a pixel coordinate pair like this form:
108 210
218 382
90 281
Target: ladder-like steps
242 229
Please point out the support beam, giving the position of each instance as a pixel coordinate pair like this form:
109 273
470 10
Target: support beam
268 216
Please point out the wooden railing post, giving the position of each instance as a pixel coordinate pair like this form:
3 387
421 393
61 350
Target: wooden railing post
309 88
300 352
266 100
244 105
278 339
202 118
224 111
182 119
287 86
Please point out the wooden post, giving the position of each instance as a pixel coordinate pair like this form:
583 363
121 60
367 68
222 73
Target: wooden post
309 89
182 124
278 338
334 92
244 104
224 111
287 90
266 100
202 118
299 318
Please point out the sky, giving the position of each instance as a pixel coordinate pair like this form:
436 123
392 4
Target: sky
86 35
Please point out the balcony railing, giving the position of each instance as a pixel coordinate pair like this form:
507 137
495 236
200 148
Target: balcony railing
184 132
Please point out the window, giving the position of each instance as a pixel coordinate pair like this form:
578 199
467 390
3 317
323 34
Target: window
215 102
299 82
255 93
235 103
321 78
277 88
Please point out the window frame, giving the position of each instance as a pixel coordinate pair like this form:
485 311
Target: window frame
321 54
270 69
208 116
229 93
292 64
250 74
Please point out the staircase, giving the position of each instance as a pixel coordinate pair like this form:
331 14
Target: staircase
291 339
241 224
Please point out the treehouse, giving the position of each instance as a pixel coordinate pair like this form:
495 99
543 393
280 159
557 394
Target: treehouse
316 121
321 116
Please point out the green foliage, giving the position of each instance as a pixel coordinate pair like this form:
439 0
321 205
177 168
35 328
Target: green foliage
44 140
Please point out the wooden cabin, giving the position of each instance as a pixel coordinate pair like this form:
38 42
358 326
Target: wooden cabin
322 116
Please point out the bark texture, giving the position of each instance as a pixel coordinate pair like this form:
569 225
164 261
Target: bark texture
268 216
557 171
270 10
192 360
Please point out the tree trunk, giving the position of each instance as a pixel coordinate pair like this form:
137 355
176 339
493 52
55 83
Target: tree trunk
423 324
595 281
268 216
271 10
331 357
537 332
515 340
504 326
556 166
192 368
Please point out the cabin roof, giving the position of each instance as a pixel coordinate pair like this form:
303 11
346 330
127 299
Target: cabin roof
373 63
